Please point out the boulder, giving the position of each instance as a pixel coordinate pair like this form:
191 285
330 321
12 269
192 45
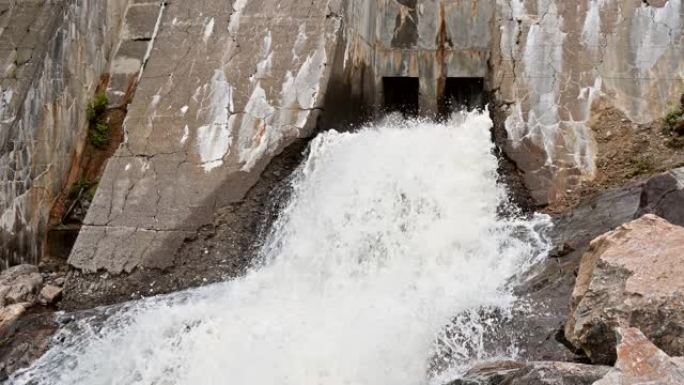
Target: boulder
50 294
536 325
641 362
19 284
10 314
663 195
25 341
630 277
533 373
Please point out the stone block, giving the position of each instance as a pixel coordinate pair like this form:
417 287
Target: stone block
630 277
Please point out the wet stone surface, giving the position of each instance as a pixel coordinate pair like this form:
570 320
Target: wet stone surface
536 324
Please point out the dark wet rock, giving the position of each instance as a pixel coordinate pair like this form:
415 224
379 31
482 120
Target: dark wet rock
25 328
536 324
10 314
25 341
663 195
533 373
640 362
631 276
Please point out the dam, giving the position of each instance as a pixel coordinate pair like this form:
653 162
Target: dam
212 107
164 157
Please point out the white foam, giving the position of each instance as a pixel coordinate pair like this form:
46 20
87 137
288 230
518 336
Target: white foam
389 233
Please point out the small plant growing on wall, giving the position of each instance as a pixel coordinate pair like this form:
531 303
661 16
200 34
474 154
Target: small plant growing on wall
674 119
98 129
673 126
83 188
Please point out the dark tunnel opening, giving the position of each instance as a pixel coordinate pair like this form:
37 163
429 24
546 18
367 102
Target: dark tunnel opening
462 94
401 94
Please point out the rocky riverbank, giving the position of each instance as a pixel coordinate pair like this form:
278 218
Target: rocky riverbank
615 267
606 306
28 299
609 293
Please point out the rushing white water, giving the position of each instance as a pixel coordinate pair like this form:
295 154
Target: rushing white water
390 232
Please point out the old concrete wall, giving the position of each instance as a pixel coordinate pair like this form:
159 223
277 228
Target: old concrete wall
547 62
52 54
553 59
352 84
427 39
139 32
227 86
432 40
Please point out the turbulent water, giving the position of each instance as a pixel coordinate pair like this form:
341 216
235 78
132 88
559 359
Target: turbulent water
390 232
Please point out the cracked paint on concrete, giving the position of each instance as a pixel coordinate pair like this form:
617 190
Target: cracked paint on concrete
208 30
556 59
276 65
542 59
214 138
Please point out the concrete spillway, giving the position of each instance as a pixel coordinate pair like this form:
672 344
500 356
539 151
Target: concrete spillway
216 90
354 285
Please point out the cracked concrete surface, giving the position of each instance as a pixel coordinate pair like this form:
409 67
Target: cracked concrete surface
215 89
553 60
226 87
546 62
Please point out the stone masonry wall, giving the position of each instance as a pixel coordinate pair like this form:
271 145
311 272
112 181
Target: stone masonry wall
52 54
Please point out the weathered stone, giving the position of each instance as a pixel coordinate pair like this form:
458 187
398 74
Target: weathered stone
630 277
25 341
138 37
533 373
50 294
18 271
10 314
551 77
20 284
214 105
639 362
663 195
212 254
535 326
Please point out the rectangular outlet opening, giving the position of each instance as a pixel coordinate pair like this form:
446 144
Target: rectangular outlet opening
401 94
463 94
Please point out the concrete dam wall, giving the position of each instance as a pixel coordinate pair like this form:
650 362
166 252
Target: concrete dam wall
216 89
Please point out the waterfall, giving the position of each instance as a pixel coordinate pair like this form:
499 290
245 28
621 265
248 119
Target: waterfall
390 232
